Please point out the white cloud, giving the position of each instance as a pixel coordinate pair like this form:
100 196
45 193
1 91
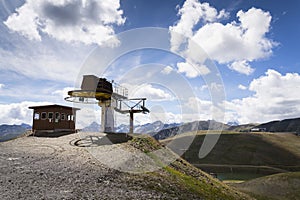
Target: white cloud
276 96
242 87
43 66
17 113
87 115
215 87
204 110
167 70
152 93
86 21
190 71
191 13
165 117
236 43
204 87
63 92
242 67
1 85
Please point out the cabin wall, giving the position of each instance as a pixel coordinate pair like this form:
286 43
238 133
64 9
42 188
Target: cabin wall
54 119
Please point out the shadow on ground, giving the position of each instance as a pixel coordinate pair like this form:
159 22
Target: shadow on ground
108 139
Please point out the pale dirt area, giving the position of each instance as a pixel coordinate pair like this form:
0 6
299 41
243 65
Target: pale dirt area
55 168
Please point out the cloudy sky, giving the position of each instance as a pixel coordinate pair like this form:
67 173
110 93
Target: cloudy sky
200 58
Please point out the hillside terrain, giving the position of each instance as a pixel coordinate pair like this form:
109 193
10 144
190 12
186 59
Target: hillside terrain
283 186
90 166
8 132
287 125
241 157
189 127
281 151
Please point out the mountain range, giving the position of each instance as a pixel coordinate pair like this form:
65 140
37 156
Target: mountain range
286 125
144 129
159 130
8 132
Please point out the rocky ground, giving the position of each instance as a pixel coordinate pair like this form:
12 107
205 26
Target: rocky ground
89 166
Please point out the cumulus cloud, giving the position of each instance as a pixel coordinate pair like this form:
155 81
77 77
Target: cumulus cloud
201 109
86 21
167 70
242 67
190 71
276 96
242 87
1 85
190 14
87 115
236 43
152 93
41 66
17 113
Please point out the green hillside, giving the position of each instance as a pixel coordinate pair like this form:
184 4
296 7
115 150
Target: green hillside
181 179
283 186
259 149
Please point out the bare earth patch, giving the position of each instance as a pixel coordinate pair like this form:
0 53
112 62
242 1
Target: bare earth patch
55 168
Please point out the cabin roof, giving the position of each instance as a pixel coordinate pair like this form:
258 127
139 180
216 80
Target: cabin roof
53 106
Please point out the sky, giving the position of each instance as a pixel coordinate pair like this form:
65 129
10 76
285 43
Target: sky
230 61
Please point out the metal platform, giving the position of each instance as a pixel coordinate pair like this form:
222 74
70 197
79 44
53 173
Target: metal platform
110 96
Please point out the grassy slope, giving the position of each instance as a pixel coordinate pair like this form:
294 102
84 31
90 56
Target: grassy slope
283 186
260 149
180 179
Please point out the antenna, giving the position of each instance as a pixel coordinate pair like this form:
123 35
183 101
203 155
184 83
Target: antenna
111 97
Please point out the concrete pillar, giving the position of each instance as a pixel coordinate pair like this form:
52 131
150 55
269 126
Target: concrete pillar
107 117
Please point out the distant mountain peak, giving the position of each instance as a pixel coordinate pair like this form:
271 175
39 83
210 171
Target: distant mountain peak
234 123
93 127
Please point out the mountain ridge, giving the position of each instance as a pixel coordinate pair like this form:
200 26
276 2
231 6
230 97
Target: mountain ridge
160 130
8 132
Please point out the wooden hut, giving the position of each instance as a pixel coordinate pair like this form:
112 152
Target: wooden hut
53 120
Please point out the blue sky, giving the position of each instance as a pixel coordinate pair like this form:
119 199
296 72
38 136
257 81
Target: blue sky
45 47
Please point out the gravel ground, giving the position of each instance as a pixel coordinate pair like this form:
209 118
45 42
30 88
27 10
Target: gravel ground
54 168
91 166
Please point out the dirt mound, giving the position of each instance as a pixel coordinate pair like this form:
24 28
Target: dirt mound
55 168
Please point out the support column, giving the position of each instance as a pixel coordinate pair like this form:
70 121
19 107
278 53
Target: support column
131 122
103 117
107 117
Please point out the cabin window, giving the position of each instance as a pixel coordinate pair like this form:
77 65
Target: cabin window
50 115
43 115
57 115
63 116
36 116
70 117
